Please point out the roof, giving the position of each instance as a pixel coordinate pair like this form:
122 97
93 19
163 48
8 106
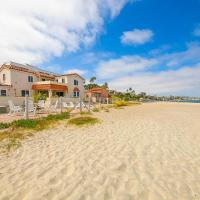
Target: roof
101 91
34 69
27 68
72 74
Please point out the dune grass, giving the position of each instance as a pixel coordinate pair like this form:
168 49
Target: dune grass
120 104
83 120
4 125
22 128
96 110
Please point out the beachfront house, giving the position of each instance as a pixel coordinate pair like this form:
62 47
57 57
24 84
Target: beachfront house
19 80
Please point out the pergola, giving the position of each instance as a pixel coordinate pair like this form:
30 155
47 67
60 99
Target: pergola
49 86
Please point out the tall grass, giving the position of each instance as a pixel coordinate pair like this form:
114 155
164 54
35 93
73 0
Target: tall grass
22 128
80 121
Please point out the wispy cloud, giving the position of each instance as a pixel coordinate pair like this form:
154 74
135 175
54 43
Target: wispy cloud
78 71
184 81
34 32
137 36
167 73
122 66
197 31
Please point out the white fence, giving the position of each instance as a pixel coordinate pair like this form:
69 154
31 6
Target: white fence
16 100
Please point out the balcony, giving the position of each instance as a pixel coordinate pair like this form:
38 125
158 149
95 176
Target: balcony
49 85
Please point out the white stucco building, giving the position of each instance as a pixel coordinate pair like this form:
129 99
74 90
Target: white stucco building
18 80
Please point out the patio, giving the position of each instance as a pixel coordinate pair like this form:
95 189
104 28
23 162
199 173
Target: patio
51 88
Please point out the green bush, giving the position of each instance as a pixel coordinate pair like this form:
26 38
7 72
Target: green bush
120 103
4 125
26 123
95 110
80 121
38 96
64 115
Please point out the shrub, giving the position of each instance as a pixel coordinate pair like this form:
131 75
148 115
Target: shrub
4 125
95 110
79 121
26 123
61 116
120 103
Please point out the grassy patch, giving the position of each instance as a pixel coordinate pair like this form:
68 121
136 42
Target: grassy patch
80 121
23 128
96 110
12 144
85 113
61 116
133 103
26 123
4 125
120 104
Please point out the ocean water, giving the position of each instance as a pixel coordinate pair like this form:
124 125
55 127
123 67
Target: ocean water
190 101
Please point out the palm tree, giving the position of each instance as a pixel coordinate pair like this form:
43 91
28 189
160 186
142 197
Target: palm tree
93 79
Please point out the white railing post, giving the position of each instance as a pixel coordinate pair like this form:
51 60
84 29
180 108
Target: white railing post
61 104
26 106
89 103
80 102
100 103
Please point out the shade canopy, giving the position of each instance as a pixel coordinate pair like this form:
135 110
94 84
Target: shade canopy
49 87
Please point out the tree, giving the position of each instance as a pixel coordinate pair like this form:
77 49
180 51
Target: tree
93 79
105 85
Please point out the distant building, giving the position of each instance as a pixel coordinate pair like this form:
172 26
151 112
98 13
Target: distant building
20 80
97 94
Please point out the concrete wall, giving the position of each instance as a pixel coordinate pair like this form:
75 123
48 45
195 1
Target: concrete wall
9 90
71 86
19 81
7 73
69 81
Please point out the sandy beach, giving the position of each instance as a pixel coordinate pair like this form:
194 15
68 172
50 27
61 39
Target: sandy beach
147 152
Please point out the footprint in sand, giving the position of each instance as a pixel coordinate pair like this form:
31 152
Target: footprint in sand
68 170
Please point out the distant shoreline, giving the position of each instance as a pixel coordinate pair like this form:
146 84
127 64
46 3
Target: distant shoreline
181 101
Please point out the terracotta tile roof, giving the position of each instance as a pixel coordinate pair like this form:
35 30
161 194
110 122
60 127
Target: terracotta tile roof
27 68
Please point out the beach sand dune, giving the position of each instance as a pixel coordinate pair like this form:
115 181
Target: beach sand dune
147 152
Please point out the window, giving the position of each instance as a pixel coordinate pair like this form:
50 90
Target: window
75 82
43 79
30 79
76 94
25 93
4 77
63 80
3 93
60 94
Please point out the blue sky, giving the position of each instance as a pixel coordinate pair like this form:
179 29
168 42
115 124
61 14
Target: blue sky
149 45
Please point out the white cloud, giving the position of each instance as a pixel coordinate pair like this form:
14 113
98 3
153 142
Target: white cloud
157 74
124 65
137 36
78 71
190 55
184 81
34 31
197 31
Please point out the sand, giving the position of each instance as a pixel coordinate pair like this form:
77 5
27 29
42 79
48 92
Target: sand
142 152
